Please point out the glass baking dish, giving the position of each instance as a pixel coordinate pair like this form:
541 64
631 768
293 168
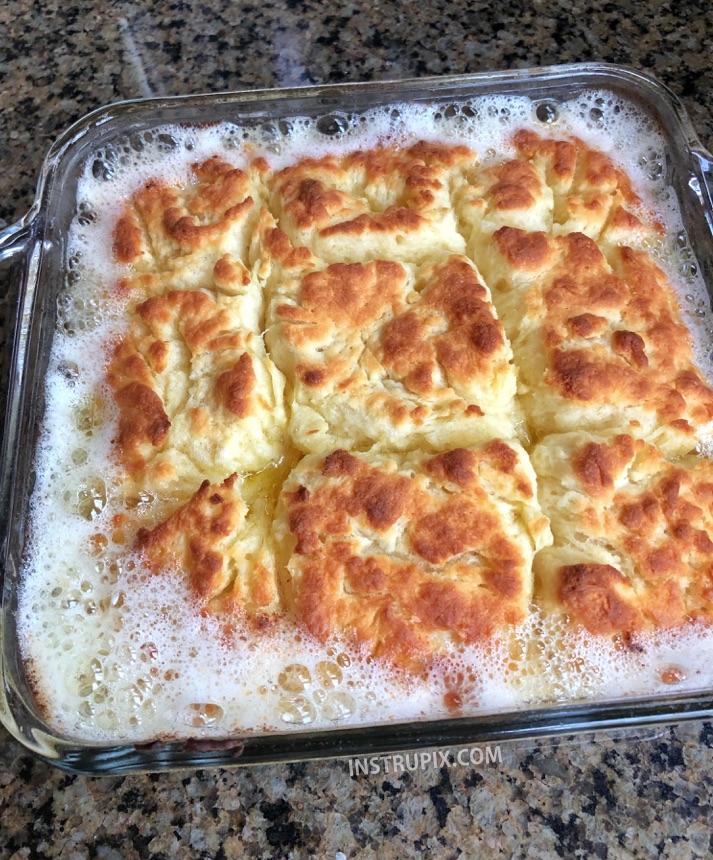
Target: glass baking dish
38 243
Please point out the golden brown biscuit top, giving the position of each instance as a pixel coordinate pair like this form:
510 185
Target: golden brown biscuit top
164 223
352 267
343 295
207 540
234 387
407 558
601 598
556 186
142 418
591 194
177 325
453 326
191 537
339 304
416 344
228 277
195 317
572 164
651 519
611 333
515 185
383 199
185 366
387 181
512 193
450 322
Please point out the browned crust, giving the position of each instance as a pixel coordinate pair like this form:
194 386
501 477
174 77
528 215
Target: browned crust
597 466
128 239
140 365
523 251
312 202
312 195
143 419
162 221
645 359
561 154
391 220
459 576
204 325
197 541
278 245
191 536
517 187
344 294
590 593
642 360
438 339
657 517
234 387
229 272
575 167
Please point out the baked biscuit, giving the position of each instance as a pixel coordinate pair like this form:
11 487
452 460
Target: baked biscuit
598 345
633 548
198 398
512 193
393 356
555 186
165 227
222 547
409 555
591 195
229 283
386 203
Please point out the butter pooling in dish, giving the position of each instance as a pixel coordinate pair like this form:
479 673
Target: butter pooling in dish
323 381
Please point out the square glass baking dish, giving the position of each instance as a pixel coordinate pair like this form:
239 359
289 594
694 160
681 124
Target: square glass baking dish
38 244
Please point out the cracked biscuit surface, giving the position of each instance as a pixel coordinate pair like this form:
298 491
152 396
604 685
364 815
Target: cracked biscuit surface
408 555
632 534
221 545
386 203
598 340
167 226
198 397
392 356
555 186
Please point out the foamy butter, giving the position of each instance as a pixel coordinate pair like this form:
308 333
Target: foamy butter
117 654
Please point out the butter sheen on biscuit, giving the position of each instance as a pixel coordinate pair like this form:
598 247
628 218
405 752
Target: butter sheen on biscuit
391 356
632 532
408 554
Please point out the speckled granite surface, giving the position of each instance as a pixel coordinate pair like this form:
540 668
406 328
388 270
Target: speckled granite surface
639 795
622 796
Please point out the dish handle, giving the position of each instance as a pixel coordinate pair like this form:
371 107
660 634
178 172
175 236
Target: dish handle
16 245
704 163
15 249
17 242
15 239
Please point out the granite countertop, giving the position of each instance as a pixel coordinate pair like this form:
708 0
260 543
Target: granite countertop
631 794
